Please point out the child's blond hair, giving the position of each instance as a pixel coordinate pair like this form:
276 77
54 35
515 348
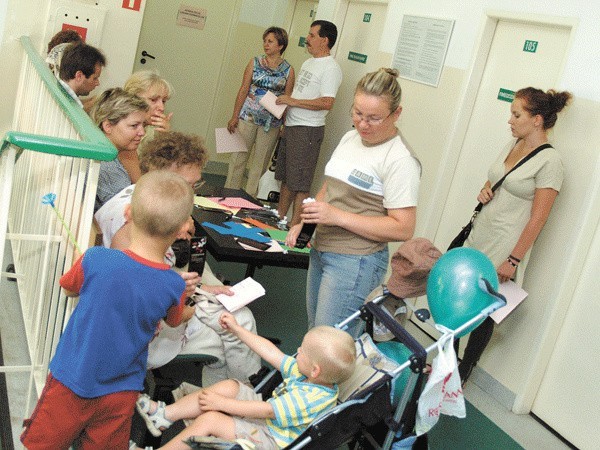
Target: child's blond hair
161 203
334 351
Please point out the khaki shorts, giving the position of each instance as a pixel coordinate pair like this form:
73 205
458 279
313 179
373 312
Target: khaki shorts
254 430
297 158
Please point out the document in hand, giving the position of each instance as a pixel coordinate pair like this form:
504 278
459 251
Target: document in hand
268 102
514 295
229 142
245 291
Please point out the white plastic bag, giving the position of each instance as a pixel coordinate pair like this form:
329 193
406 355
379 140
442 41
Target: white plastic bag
443 392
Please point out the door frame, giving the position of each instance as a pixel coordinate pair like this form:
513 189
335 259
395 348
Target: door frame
525 397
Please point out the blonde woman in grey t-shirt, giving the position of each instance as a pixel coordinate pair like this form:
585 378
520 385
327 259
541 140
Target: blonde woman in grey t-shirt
368 199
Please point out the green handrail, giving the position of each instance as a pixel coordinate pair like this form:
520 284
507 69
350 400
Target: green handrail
94 144
55 146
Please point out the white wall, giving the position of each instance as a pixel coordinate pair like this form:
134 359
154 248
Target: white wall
519 359
17 18
264 13
522 346
578 129
581 69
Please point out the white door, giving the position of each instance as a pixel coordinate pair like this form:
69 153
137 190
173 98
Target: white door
191 59
568 396
511 66
508 67
304 14
357 53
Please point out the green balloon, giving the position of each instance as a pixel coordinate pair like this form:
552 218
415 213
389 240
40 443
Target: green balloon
453 289
400 353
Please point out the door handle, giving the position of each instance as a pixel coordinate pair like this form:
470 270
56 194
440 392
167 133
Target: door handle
146 54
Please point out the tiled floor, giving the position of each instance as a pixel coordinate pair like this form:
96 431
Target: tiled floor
524 429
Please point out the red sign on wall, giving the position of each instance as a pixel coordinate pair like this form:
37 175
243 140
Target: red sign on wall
134 5
80 30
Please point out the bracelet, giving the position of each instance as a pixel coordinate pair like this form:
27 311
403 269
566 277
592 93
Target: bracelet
511 262
515 259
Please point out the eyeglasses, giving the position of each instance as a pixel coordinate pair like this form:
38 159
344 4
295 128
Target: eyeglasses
369 120
197 185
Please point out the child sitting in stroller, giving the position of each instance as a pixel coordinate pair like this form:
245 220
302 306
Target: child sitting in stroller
232 410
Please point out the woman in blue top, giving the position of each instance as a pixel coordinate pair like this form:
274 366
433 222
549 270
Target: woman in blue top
258 127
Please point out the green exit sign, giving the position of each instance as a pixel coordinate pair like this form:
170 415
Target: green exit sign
530 46
302 42
506 95
367 17
358 57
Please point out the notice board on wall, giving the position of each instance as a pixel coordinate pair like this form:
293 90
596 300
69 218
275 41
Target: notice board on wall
422 47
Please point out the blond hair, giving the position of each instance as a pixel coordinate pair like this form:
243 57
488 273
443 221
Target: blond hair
161 203
333 350
382 83
142 81
113 105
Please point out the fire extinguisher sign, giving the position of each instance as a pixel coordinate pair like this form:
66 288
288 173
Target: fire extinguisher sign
134 5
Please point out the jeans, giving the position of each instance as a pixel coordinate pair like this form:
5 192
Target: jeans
338 285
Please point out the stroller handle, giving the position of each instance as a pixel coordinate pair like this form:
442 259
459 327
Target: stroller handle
486 286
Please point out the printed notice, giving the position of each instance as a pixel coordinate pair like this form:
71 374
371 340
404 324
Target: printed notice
422 47
190 16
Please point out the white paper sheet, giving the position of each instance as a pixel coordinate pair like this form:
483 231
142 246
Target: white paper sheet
268 102
514 295
229 142
245 292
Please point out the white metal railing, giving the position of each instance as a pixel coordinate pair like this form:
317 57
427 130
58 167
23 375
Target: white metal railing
54 148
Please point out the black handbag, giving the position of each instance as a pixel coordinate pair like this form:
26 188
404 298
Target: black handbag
462 236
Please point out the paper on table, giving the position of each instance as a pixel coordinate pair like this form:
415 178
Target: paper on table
235 202
245 292
274 247
229 142
208 203
268 102
514 295
280 235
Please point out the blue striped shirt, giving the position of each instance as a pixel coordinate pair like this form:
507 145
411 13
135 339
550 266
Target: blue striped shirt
297 403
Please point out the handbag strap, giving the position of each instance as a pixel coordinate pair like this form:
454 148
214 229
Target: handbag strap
515 167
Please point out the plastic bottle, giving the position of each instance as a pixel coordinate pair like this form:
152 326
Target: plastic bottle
307 229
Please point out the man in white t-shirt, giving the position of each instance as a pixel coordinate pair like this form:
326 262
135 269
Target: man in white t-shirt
313 96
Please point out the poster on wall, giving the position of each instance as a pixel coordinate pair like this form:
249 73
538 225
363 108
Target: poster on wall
422 47
190 16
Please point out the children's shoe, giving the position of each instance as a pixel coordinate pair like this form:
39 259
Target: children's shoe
155 422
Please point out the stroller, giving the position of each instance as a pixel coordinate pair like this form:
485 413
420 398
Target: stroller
365 417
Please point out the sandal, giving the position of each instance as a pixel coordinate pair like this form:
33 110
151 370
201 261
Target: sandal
156 421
